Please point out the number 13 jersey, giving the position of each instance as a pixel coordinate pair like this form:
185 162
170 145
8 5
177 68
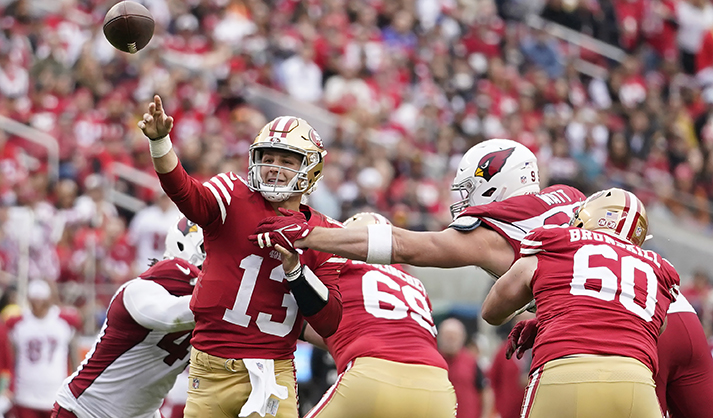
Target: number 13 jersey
597 294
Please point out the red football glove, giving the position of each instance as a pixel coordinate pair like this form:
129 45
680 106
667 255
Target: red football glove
522 338
283 230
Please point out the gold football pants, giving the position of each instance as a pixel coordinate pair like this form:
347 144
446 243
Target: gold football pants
376 388
591 387
218 387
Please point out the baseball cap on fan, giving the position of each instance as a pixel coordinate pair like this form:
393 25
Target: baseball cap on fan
39 290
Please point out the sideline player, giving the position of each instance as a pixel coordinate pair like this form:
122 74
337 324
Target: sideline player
44 340
385 347
144 342
500 206
248 308
601 304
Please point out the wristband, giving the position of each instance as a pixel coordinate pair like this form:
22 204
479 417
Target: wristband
293 274
160 146
379 244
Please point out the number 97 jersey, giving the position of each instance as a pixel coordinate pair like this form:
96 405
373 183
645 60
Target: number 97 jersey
386 314
597 294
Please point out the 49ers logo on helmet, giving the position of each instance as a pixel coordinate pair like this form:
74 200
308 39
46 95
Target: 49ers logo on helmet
316 139
186 226
492 163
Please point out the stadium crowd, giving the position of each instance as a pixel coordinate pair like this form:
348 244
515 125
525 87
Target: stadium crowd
414 85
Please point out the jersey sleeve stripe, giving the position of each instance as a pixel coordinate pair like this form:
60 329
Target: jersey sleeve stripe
530 242
223 213
337 260
223 190
226 179
530 251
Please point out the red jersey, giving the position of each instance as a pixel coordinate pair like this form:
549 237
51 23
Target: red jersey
387 315
242 303
513 218
597 294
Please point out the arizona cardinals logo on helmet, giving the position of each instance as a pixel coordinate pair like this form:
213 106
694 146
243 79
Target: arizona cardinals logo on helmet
186 226
492 163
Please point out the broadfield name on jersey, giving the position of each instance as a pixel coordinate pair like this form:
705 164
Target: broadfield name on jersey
577 234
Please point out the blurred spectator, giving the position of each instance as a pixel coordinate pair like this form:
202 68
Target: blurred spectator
44 341
301 77
147 230
463 371
698 291
695 18
541 50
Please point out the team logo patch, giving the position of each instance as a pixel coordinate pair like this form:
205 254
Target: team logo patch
196 383
186 226
316 139
492 163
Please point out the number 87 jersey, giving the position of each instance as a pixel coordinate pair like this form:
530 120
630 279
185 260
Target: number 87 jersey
386 315
597 294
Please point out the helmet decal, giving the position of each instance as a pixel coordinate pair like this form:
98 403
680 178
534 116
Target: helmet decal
186 226
492 163
315 139
282 126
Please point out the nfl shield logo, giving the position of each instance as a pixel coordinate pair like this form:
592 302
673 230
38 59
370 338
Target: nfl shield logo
196 383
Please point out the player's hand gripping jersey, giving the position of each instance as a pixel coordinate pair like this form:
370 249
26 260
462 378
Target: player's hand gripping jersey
141 348
590 286
516 216
242 303
385 310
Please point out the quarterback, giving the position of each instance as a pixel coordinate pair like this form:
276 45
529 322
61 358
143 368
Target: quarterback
248 305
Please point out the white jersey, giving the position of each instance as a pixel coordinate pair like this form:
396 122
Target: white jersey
147 232
141 348
42 347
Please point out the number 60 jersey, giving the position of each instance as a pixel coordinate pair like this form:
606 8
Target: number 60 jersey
141 348
597 294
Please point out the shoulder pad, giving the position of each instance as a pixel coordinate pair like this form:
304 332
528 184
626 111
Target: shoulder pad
465 223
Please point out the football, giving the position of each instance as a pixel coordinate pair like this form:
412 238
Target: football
128 26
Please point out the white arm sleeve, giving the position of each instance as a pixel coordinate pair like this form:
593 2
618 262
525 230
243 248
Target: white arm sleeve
154 308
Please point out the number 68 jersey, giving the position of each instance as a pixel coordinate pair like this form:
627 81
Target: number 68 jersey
141 348
597 294
386 315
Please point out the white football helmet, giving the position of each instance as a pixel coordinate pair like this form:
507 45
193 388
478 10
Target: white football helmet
292 134
365 219
494 170
185 240
616 212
